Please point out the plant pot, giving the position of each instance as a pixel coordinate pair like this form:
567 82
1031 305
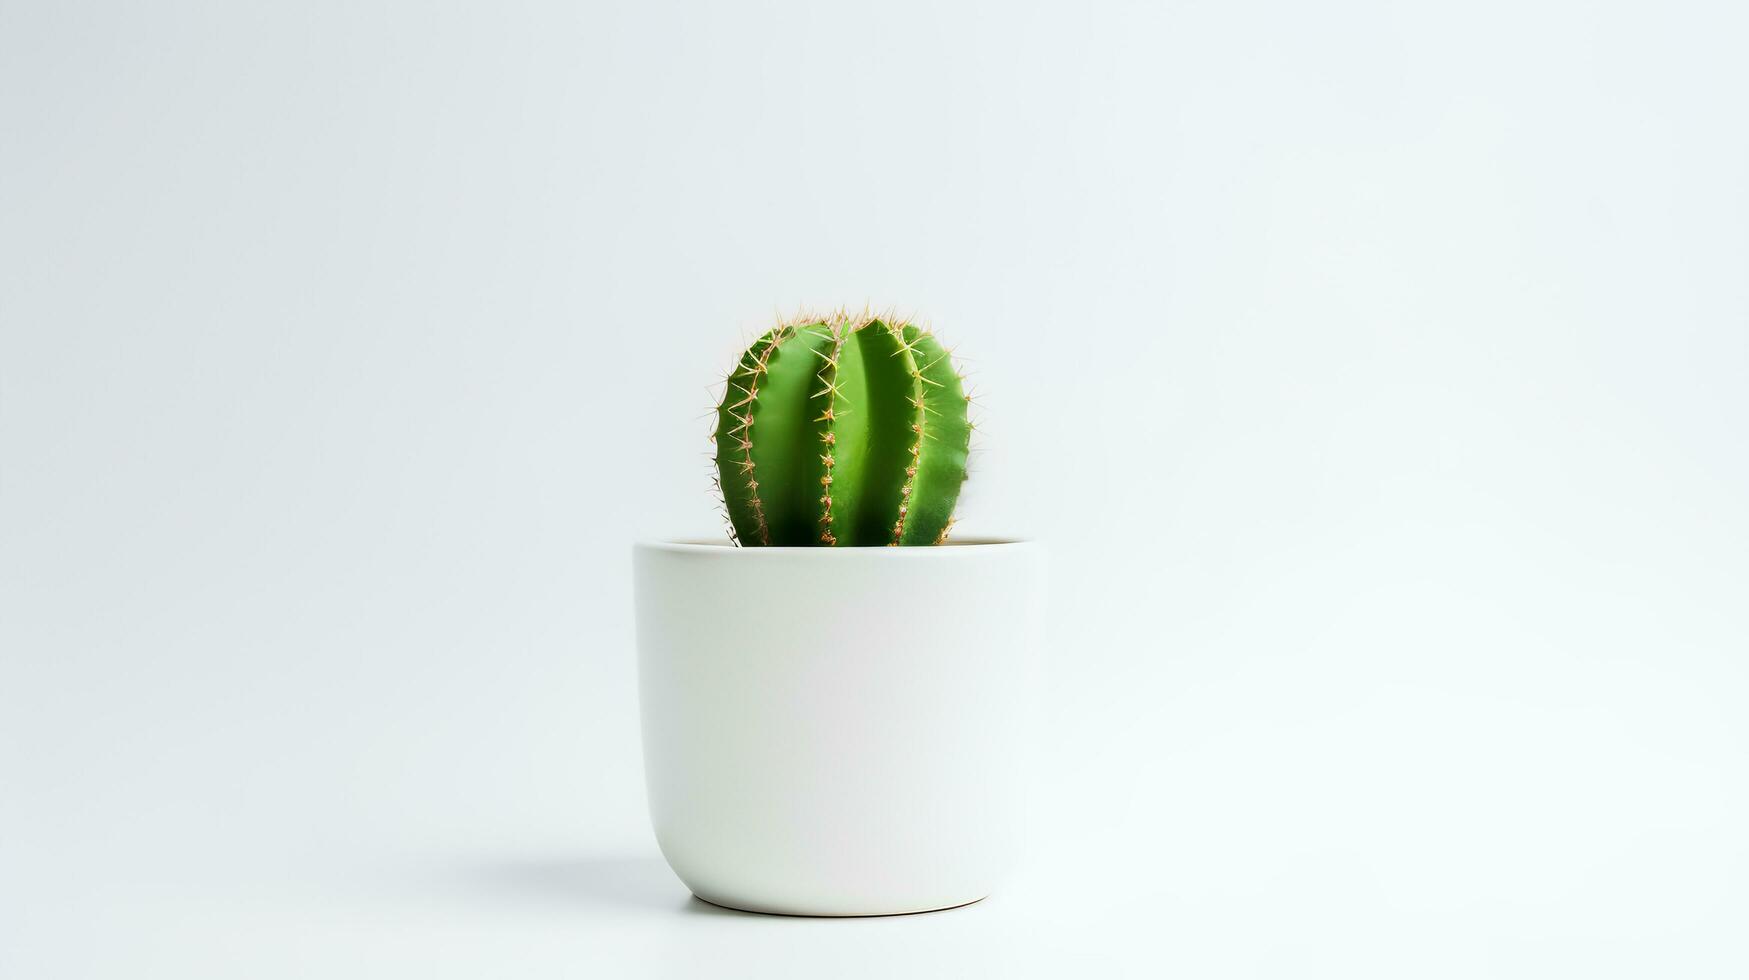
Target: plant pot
837 731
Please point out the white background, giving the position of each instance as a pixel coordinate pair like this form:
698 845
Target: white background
1375 372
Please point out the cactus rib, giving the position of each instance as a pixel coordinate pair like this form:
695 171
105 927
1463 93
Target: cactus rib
828 393
944 442
735 466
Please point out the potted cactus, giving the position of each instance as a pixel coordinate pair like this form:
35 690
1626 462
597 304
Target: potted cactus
833 710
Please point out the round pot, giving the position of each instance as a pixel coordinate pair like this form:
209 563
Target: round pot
837 731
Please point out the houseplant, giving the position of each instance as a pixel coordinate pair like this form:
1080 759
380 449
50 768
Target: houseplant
833 712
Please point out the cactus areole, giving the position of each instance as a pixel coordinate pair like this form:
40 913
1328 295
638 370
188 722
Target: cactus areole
842 430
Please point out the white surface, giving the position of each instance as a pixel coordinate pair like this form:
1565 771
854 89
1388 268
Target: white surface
839 731
1374 371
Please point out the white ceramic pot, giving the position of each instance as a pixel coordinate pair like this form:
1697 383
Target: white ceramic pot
837 731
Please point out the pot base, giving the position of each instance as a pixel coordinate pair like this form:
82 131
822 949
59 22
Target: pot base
756 909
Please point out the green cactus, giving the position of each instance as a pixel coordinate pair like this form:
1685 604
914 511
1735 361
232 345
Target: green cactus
842 430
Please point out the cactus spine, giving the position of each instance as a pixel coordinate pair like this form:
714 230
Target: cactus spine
842 430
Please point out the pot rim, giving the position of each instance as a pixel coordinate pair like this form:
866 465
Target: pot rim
955 547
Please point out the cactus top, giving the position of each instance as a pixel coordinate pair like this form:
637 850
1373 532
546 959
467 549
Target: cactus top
842 431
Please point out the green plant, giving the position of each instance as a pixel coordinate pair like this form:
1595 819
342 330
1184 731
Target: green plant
842 430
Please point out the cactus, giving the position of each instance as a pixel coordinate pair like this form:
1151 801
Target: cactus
842 430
